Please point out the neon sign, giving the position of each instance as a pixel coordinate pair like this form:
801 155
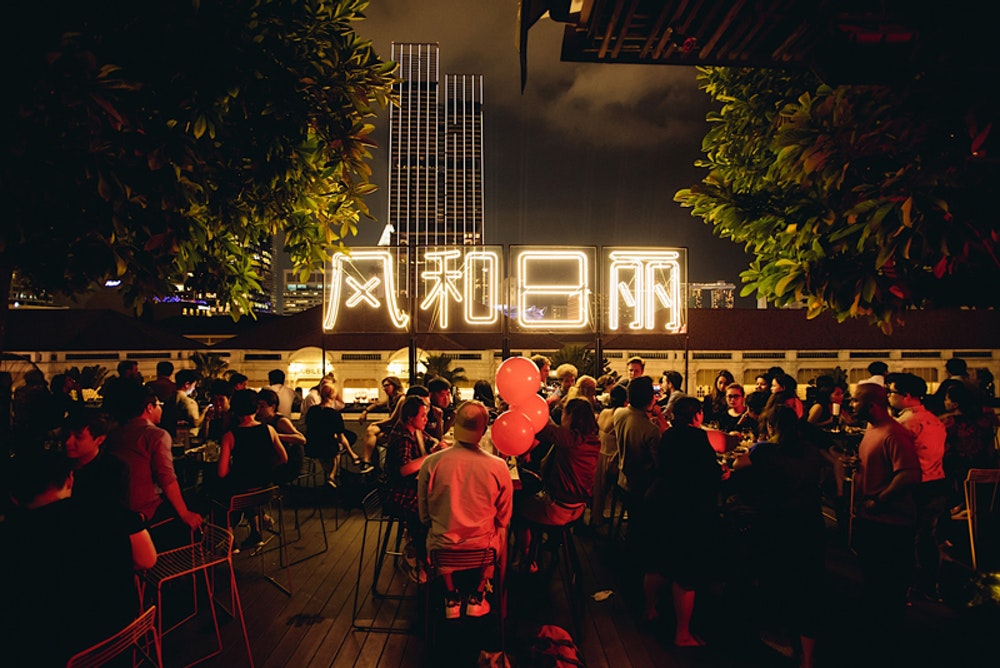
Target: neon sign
465 288
643 281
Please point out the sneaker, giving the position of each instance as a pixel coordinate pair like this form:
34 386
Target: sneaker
452 604
477 605
366 467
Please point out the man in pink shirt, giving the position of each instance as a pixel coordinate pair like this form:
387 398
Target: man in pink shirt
888 472
464 495
906 393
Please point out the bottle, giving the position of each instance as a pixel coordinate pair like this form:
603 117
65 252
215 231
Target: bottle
182 436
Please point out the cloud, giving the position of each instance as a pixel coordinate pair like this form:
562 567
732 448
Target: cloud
603 104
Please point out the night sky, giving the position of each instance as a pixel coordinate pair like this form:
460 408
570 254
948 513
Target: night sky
589 154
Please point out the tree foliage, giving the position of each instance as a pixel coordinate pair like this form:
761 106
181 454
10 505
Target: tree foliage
583 358
209 365
158 142
439 366
862 200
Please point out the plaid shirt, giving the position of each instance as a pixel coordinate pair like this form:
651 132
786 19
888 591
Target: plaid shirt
402 449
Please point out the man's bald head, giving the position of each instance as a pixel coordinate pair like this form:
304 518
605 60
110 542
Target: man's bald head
870 402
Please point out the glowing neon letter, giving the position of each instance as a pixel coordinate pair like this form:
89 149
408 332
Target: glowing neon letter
444 282
645 290
365 288
576 291
482 266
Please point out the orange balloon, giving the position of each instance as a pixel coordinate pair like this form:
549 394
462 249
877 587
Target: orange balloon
517 379
536 410
512 433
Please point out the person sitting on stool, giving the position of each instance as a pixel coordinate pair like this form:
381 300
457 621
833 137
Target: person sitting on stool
465 496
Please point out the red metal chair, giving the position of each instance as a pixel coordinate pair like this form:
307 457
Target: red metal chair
140 636
213 549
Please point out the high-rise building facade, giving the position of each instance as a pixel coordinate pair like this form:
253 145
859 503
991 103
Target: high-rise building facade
435 152
299 295
413 146
463 158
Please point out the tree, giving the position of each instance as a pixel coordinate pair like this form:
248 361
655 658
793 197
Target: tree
862 200
158 143
89 377
209 365
440 366
582 358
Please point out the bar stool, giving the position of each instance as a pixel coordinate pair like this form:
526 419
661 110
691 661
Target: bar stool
561 541
140 637
463 560
258 500
375 515
310 482
619 495
212 549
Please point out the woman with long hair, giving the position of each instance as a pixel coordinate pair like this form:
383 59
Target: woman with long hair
393 388
482 391
293 440
784 392
714 405
788 533
326 434
567 475
585 388
407 449
821 412
250 454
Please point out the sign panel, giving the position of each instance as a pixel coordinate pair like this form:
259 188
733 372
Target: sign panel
551 288
645 289
544 289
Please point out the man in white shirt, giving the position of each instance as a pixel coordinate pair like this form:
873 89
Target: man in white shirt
878 370
286 395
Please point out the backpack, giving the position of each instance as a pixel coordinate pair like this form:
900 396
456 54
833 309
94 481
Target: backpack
553 647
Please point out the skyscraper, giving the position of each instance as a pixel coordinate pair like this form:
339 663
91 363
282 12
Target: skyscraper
435 153
463 158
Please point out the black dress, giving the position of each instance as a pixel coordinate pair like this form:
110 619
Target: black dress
684 499
253 458
788 532
324 425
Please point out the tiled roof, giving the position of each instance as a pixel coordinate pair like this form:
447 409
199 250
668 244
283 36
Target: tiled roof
709 330
87 329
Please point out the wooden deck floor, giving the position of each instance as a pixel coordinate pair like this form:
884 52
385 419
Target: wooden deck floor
314 626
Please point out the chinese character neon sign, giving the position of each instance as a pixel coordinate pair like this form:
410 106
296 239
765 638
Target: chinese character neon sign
570 284
461 288
643 282
365 274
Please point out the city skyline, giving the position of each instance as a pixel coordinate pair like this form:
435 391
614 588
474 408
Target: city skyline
589 154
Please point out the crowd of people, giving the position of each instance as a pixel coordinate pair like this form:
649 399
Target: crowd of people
640 437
